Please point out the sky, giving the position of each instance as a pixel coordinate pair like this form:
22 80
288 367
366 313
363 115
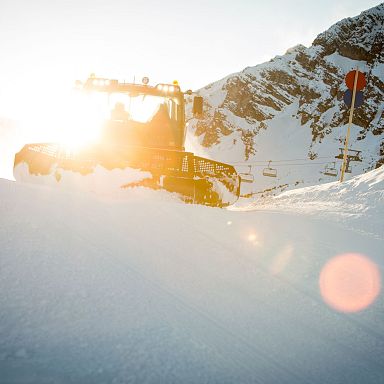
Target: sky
47 44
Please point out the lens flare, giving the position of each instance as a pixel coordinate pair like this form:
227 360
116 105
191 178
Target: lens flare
282 259
254 238
350 282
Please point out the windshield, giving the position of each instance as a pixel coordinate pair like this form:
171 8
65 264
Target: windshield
145 119
142 108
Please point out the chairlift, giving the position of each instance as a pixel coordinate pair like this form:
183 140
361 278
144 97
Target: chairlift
352 154
247 177
330 170
270 172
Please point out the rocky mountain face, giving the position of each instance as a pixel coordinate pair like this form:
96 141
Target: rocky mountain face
307 82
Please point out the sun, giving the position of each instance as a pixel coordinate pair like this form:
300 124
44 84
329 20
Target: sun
48 109
83 118
69 118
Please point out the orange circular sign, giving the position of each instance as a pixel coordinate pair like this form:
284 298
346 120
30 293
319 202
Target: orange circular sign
350 80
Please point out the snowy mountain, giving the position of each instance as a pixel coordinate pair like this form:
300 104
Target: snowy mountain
136 287
292 107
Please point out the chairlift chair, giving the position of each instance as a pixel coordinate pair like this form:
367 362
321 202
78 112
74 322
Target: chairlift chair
331 170
353 154
270 172
247 177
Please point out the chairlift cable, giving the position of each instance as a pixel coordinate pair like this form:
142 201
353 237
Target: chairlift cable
244 163
300 164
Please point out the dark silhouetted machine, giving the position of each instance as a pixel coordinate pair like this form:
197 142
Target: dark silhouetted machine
144 130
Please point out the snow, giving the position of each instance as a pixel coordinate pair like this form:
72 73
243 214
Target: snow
346 64
371 22
378 69
100 180
359 200
136 287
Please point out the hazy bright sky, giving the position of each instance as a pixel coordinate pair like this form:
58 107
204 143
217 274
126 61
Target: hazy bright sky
51 43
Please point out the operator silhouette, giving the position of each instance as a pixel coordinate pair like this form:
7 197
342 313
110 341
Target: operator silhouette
161 118
161 129
119 113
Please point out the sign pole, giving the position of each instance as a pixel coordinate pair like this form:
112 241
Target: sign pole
349 126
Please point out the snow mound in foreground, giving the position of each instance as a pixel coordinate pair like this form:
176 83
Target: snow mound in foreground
358 202
101 180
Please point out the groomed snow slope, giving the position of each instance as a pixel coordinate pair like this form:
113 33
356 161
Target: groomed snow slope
357 203
139 288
